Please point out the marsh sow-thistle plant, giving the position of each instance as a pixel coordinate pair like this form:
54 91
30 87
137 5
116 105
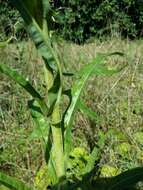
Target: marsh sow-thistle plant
66 167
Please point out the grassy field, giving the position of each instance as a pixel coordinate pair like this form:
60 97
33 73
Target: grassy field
117 100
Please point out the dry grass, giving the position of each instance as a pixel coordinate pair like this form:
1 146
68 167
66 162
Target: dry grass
117 100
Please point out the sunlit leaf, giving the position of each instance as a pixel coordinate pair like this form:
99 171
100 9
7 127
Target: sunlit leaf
96 67
33 14
25 84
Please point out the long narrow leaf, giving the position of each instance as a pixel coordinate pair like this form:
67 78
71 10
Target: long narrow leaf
13 183
89 112
43 45
96 67
42 128
78 87
25 84
76 90
39 34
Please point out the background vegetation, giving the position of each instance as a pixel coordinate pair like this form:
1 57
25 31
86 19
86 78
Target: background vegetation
117 100
79 20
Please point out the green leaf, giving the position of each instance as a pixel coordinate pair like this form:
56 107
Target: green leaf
33 14
126 179
95 67
101 69
13 183
94 156
91 114
96 153
42 128
25 84
33 8
76 90
40 35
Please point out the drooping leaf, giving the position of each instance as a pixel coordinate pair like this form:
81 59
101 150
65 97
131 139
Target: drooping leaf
126 179
13 183
96 67
34 8
75 94
101 69
40 36
25 84
33 14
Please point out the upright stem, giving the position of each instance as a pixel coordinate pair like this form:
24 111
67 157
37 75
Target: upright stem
58 152
57 146
57 136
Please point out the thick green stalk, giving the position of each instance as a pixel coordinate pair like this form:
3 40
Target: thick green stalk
58 152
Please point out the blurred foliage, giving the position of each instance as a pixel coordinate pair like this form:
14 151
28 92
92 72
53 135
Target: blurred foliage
11 23
80 20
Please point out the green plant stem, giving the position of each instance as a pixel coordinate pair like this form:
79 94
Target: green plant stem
57 153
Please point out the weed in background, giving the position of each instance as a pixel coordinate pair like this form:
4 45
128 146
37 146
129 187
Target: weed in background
89 160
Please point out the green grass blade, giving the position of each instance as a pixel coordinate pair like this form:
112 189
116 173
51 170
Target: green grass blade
126 179
13 183
25 84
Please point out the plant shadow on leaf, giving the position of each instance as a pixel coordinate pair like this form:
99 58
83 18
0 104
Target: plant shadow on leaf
125 181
